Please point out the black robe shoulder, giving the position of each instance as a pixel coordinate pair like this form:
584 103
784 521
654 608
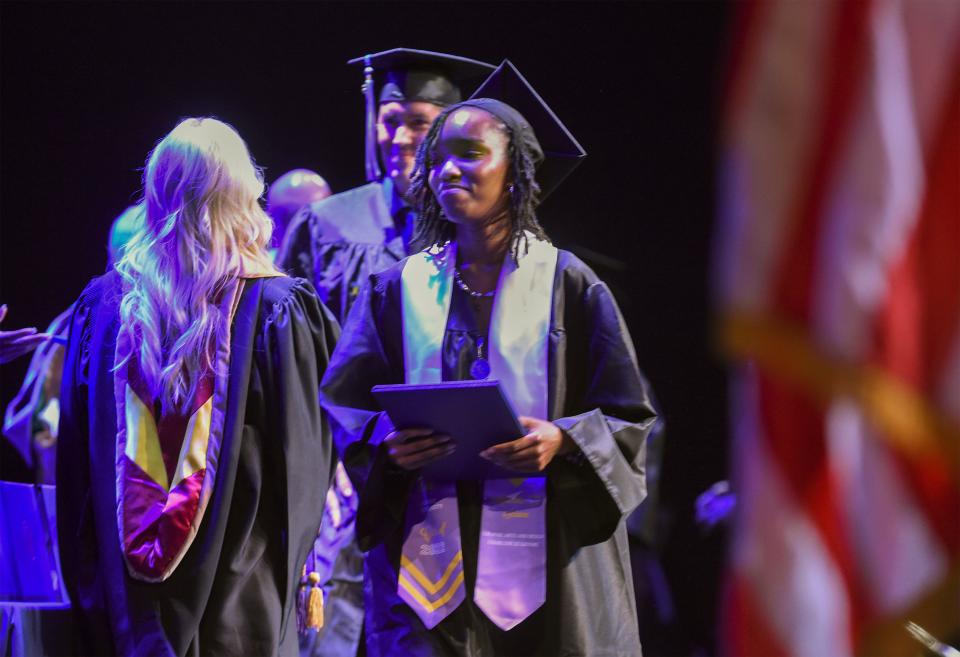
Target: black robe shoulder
338 242
234 591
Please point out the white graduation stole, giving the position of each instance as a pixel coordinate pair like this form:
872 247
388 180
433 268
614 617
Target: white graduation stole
511 569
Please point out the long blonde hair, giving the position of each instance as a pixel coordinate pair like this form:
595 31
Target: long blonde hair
204 226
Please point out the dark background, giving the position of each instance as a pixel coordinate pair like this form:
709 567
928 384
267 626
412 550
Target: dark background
88 88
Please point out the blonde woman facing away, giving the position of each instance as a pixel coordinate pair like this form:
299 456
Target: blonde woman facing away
193 455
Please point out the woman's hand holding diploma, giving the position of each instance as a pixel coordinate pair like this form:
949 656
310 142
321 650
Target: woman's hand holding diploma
534 451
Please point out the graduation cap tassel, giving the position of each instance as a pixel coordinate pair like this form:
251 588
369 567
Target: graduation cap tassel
370 128
309 602
315 603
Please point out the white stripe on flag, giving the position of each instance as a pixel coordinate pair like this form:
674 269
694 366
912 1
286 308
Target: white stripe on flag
874 198
898 554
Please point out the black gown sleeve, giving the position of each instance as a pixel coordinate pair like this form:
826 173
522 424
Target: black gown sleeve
292 351
610 423
363 359
295 255
336 267
342 268
76 533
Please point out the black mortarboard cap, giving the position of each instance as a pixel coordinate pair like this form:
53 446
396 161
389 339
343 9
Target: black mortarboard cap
562 153
404 74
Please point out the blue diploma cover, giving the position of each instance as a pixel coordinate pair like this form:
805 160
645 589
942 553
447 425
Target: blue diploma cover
475 414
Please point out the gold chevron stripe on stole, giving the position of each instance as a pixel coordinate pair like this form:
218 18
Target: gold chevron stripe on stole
426 604
407 566
143 442
193 453
423 580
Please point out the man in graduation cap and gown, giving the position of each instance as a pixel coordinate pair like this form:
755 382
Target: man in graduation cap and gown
537 565
337 243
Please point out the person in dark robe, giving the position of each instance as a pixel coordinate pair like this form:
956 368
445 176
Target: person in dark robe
193 457
30 424
337 242
490 297
31 418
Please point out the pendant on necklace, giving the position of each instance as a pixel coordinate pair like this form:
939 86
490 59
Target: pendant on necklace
480 368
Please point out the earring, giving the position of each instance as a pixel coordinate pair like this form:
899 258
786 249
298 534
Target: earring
510 189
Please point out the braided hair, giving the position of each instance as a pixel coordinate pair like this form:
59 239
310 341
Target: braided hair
433 228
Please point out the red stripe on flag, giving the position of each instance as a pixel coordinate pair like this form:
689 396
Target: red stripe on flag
936 488
745 628
919 322
939 236
793 426
847 55
746 33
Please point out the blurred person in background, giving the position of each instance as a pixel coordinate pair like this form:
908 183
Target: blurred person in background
288 194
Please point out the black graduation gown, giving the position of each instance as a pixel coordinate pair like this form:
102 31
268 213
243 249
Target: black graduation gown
234 592
338 242
596 394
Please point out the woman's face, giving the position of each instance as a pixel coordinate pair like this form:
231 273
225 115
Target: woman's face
469 167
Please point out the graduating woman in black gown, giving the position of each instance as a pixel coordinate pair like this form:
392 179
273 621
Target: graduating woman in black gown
193 456
446 571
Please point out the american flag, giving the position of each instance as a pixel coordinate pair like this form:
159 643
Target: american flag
838 290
